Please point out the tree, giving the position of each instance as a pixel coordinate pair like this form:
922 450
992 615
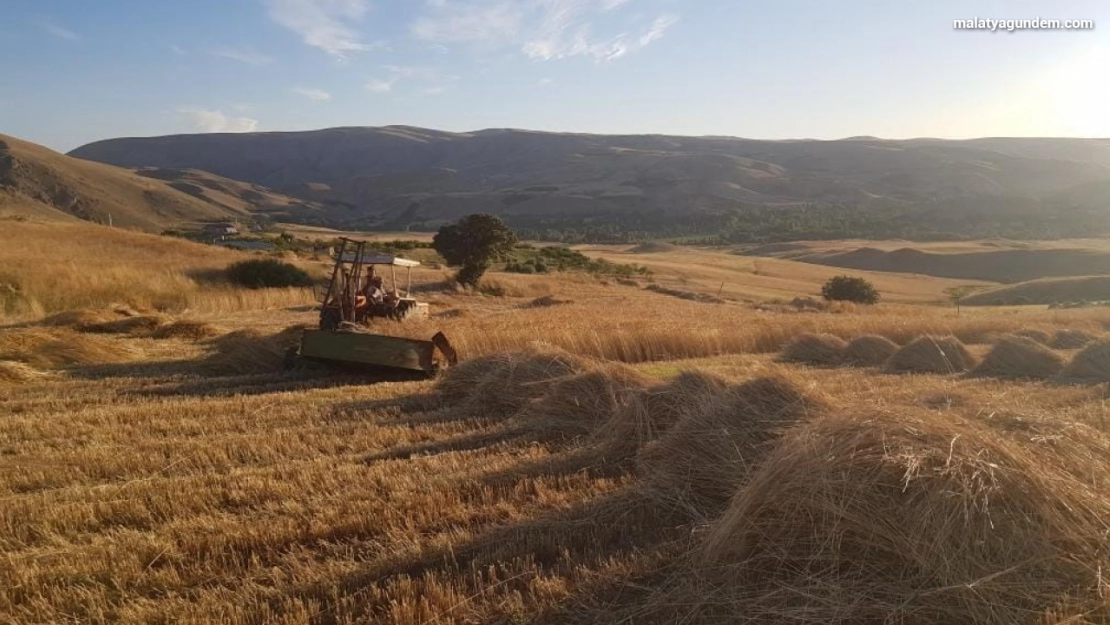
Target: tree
474 244
847 288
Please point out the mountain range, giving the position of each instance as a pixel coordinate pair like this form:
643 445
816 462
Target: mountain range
404 177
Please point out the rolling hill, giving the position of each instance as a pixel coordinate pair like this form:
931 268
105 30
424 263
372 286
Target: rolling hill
404 176
41 183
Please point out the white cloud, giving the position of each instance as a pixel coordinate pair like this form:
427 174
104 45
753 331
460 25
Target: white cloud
178 50
59 32
380 86
207 120
542 29
323 24
543 82
250 57
318 95
487 23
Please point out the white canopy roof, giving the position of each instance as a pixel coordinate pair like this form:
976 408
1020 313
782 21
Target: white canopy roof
381 259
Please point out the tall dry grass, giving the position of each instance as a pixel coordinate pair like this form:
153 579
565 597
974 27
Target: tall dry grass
46 268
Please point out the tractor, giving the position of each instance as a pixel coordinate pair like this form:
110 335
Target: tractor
357 302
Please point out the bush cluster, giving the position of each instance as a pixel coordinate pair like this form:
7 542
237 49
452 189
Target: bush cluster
266 272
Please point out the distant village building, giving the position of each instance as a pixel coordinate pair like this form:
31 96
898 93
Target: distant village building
222 229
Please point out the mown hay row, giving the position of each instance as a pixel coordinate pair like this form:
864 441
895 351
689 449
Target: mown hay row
815 349
869 350
931 354
1017 357
1091 364
700 461
907 518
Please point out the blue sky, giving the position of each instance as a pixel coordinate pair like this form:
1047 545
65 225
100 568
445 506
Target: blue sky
75 71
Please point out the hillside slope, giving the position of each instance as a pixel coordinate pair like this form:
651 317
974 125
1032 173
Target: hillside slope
39 182
232 195
402 176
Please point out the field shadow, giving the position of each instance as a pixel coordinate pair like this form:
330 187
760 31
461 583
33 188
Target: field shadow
145 369
625 524
251 384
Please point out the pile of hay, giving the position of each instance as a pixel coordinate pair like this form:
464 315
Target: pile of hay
1018 357
51 348
699 462
1034 334
499 385
140 325
931 354
17 372
582 404
646 416
809 303
185 329
78 319
1071 339
249 351
869 350
1091 364
815 349
914 519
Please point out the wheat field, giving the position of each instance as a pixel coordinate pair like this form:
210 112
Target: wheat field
139 483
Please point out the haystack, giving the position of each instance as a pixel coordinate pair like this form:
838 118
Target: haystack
499 385
186 329
931 354
815 349
915 519
1033 334
1071 339
142 324
50 348
582 404
1091 364
869 350
699 462
1018 357
249 351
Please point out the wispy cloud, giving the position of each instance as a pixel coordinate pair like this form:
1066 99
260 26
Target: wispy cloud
244 55
544 82
543 29
430 80
208 120
178 50
380 86
319 95
324 24
59 32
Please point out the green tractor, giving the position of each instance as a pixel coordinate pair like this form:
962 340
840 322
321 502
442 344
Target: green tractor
357 300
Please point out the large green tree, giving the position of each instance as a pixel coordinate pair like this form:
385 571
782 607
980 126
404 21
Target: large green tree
474 243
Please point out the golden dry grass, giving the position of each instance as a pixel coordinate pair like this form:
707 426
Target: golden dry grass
195 481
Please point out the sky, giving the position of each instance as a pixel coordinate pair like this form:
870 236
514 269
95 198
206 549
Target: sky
75 71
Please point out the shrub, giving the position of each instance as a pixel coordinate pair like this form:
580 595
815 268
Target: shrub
849 289
267 272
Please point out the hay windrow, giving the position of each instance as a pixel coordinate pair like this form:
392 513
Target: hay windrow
1072 339
52 348
815 349
700 461
17 372
907 518
1033 334
1091 364
497 386
594 402
79 318
931 354
187 329
248 351
869 350
139 325
1017 357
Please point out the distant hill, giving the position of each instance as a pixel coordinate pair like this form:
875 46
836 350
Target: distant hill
232 195
398 176
39 182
